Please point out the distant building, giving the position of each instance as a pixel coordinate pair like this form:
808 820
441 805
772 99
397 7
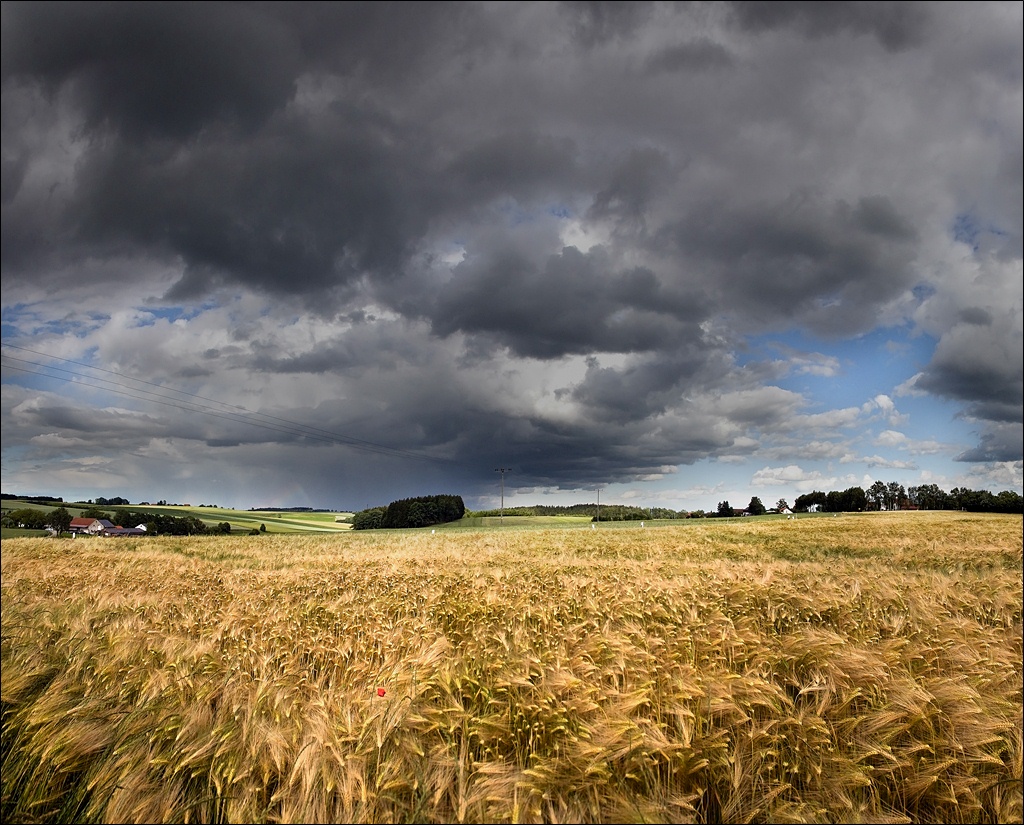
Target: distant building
125 531
90 526
103 527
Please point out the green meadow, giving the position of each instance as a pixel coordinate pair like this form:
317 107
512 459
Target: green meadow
274 521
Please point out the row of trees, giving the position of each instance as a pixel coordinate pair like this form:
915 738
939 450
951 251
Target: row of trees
604 512
893 496
157 523
850 500
59 520
32 499
421 511
726 510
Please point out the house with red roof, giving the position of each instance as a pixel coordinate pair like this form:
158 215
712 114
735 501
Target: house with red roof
89 526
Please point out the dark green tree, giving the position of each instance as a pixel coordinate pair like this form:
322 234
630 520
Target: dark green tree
59 520
756 508
29 518
807 500
928 497
894 495
369 519
1009 502
876 495
725 509
423 511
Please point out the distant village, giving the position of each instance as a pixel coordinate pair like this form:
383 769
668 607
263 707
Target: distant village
101 527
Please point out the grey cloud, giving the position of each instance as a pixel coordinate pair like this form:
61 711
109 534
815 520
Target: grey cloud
897 25
294 211
155 69
976 316
336 158
631 186
572 302
700 54
996 411
827 265
190 152
583 455
518 165
11 176
364 346
990 389
980 363
983 366
645 388
596 22
997 442
102 429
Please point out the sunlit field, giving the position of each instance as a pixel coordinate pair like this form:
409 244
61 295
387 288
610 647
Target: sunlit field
853 669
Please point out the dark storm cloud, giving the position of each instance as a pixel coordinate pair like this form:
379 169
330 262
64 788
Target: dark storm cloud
155 69
991 386
435 189
520 165
595 22
980 364
645 388
164 69
897 25
201 155
976 315
633 183
261 212
699 55
827 265
572 302
997 443
192 153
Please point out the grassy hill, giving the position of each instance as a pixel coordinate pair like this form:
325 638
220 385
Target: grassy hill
241 521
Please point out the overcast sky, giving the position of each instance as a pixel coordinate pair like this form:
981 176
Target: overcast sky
331 255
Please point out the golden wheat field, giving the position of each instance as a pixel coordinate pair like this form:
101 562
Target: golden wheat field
855 669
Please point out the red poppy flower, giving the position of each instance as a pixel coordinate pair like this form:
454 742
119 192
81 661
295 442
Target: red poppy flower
381 691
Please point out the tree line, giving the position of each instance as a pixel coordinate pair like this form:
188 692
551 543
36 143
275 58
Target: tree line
420 511
894 496
59 520
608 512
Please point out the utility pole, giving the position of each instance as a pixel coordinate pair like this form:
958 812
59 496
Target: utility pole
502 470
599 505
